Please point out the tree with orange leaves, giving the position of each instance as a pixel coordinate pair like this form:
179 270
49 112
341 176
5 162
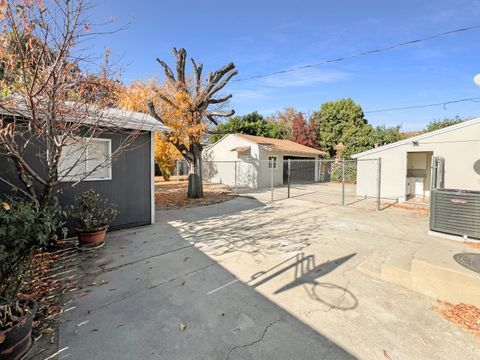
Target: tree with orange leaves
166 155
185 106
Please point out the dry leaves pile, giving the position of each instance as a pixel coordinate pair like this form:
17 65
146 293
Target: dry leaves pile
173 194
475 244
420 210
48 281
465 316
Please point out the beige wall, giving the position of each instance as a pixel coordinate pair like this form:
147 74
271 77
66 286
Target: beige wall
223 165
460 148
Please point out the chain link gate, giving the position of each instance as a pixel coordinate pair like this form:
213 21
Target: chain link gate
333 182
354 183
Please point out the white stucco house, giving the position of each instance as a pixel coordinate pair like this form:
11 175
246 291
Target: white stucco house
406 166
249 161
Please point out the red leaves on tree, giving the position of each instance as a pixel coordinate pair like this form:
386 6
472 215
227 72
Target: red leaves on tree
304 132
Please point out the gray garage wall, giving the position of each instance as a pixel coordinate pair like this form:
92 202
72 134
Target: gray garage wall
130 187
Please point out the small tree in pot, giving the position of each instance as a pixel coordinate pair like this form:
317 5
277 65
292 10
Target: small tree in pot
93 215
25 226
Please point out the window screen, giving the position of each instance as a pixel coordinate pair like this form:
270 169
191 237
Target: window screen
272 162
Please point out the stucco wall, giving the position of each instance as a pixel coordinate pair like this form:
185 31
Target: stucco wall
222 165
460 148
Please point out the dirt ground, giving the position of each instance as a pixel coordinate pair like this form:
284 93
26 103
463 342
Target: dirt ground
173 194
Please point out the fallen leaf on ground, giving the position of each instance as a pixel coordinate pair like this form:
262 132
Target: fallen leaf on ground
173 194
2 337
48 330
466 316
473 244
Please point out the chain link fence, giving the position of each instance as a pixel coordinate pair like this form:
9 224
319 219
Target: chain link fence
353 183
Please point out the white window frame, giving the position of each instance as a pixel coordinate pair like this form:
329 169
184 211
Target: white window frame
272 160
108 165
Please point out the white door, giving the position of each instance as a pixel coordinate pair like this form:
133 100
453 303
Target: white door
419 187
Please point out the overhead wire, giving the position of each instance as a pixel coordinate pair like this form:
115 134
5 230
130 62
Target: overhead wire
444 104
364 53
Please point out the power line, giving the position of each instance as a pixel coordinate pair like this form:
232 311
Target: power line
374 51
444 104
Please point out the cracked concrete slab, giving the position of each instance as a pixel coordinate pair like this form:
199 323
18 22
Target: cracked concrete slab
248 280
172 301
304 258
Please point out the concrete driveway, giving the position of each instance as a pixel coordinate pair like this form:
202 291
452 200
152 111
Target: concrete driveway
248 280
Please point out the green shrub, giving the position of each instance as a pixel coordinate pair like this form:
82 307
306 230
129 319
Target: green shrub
350 172
92 212
25 226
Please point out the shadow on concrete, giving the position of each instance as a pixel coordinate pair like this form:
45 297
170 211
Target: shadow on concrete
307 273
385 206
234 205
222 235
161 306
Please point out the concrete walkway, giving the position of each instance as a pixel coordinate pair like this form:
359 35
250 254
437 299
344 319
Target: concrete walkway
153 295
246 280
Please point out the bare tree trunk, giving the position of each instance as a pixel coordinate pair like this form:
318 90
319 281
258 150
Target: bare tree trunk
195 178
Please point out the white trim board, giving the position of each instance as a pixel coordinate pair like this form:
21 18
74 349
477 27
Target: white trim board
152 177
417 138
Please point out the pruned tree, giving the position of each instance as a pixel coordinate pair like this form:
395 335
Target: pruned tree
50 110
194 101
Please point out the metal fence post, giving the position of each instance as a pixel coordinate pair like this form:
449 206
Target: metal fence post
271 178
379 182
288 178
235 180
343 182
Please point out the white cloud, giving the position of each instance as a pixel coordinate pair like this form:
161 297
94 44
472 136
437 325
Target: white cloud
304 77
250 94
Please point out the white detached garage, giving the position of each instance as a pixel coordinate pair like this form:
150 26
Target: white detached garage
249 161
406 166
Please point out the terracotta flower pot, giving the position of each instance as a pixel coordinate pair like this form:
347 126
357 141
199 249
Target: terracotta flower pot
91 238
17 340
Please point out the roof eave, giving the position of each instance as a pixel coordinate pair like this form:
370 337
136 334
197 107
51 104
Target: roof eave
416 138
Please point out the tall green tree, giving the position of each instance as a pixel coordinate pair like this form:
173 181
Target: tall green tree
250 124
337 121
343 121
440 124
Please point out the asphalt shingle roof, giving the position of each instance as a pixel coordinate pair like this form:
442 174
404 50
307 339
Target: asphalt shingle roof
280 145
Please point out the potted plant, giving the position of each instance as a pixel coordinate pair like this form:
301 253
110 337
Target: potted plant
93 215
25 226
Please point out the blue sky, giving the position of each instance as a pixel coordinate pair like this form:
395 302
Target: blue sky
264 36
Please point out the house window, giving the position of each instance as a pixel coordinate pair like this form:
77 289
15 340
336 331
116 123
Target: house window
272 162
86 159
